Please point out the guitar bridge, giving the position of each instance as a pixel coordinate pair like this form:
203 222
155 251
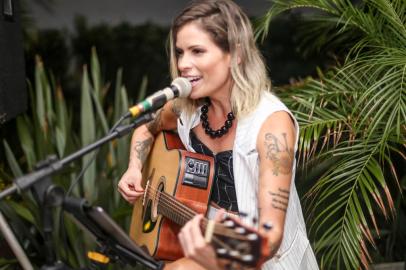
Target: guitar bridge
196 173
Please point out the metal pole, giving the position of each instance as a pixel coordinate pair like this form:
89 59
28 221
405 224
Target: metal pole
14 244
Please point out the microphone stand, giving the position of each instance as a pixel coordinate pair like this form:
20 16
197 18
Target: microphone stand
113 242
49 195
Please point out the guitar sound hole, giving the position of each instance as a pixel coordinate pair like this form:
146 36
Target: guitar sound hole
158 195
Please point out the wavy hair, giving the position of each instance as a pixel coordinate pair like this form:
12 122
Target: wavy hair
231 30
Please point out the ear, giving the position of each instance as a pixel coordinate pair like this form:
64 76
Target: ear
238 47
238 56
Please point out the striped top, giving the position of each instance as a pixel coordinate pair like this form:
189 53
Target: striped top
223 189
295 251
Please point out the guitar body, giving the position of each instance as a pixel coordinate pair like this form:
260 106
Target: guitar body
171 171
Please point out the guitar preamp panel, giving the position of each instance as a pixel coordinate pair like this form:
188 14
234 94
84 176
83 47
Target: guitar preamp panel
196 172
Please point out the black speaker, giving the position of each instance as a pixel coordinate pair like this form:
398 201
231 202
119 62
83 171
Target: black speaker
13 92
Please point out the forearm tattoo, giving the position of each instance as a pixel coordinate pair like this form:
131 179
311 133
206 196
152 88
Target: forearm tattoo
176 108
141 149
279 153
280 199
156 125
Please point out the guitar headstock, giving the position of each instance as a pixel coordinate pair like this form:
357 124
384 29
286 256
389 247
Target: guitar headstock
239 243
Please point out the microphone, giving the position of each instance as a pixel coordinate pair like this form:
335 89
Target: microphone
180 87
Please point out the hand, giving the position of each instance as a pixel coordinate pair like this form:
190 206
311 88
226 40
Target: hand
194 245
129 185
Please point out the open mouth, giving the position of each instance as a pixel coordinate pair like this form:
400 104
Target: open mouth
194 80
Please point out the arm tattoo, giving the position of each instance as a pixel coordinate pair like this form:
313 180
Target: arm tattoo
156 125
279 153
141 149
280 199
176 108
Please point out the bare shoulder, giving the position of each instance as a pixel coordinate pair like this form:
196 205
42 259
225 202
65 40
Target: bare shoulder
276 142
279 121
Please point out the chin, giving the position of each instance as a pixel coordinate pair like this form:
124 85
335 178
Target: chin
195 95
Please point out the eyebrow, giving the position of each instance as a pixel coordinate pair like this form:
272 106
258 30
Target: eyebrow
189 48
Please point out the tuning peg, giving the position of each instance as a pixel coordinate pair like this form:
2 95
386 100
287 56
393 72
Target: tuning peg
229 223
267 226
221 251
247 258
252 236
240 230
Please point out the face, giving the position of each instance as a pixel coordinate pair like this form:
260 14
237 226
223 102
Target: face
201 61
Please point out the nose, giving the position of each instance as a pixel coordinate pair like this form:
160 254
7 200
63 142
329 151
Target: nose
184 63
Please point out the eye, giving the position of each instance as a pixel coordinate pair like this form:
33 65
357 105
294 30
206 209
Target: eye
178 52
198 51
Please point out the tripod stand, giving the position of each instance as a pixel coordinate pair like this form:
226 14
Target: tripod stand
49 196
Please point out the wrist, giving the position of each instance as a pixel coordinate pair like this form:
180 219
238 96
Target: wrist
134 166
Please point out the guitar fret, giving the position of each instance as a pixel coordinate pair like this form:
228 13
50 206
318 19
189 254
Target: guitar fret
172 209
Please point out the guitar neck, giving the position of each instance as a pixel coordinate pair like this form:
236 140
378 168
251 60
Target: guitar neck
174 210
234 242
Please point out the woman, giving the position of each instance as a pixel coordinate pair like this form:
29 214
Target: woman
232 116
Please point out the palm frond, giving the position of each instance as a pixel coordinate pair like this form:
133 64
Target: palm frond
354 114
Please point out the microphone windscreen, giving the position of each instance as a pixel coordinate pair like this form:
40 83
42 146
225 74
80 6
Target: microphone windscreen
183 85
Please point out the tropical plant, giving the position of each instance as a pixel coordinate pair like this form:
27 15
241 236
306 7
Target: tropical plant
53 127
352 122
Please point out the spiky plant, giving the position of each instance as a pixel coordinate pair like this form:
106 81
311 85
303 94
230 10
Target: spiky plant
48 129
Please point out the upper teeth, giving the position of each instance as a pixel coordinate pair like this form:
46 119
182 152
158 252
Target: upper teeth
193 78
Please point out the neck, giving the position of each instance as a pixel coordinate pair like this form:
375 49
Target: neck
220 109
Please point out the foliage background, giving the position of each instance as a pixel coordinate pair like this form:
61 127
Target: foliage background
90 97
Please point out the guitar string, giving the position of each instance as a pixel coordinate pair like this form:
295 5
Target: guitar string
183 211
219 229
181 208
188 214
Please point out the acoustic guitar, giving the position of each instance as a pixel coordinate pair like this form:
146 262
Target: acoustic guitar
177 186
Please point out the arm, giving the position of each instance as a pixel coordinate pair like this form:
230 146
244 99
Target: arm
275 145
142 139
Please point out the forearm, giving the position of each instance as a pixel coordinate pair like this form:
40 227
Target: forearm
143 137
141 143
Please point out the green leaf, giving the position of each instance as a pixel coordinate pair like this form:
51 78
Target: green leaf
12 162
88 136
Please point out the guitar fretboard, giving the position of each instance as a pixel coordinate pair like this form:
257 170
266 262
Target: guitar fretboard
174 210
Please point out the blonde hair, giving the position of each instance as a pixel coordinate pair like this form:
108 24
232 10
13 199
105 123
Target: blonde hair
231 30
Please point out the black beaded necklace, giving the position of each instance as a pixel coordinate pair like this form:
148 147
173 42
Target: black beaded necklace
205 123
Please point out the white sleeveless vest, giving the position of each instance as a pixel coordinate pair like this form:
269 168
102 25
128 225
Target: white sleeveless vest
295 251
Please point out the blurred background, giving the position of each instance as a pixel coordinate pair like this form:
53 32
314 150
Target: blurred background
70 69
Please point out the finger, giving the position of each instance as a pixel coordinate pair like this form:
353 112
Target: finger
220 215
130 197
196 233
137 187
188 237
129 190
183 243
126 198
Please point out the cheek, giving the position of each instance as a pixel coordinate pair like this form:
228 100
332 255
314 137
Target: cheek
221 73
